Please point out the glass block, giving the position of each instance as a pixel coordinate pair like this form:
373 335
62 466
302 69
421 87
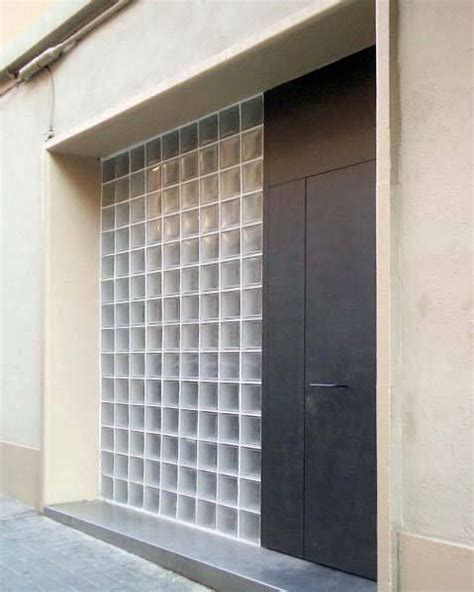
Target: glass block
153 258
209 277
209 247
137 158
188 423
153 419
137 261
230 366
154 284
138 365
122 164
153 152
209 189
137 390
108 194
107 268
188 137
190 308
228 488
252 302
189 394
230 274
171 282
153 179
153 446
121 441
250 463
153 205
208 130
170 200
107 291
171 365
138 313
230 243
121 466
229 397
230 305
190 223
171 228
252 144
190 251
137 287
249 526
229 121
122 316
207 425
170 171
137 184
251 431
230 152
252 239
122 418
230 335
108 243
168 502
252 208
227 520
208 392
251 366
107 463
170 398
122 190
208 159
154 311
108 219
209 336
107 438
209 366
107 389
252 271
120 491
172 255
153 338
209 218
190 337
152 473
153 365
229 428
137 443
122 340
189 166
252 176
206 484
230 213
107 414
190 194
170 420
151 499
189 365
122 214
108 316
137 419
230 183
252 112
252 334
137 235
251 398
107 487
153 392
206 514
186 509
207 458
190 280
137 209
122 264
170 144
171 337
108 170
209 306
122 239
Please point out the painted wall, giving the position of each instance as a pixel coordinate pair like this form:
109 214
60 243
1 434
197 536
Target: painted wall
435 268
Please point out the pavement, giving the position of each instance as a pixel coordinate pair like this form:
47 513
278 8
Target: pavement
40 555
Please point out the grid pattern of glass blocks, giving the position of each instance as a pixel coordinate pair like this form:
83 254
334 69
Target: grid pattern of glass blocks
181 279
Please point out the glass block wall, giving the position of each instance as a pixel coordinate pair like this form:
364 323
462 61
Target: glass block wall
181 273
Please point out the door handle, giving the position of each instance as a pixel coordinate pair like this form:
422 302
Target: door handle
328 385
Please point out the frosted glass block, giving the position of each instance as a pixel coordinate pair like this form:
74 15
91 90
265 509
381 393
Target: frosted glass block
227 520
122 164
107 267
168 502
229 428
207 425
230 366
108 219
208 159
171 335
229 121
171 282
251 431
249 526
121 390
252 144
108 170
190 223
230 305
153 336
107 487
186 509
151 499
169 476
170 420
189 394
208 130
108 194
152 473
252 334
138 210
154 232
188 137
190 337
154 311
122 419
154 284
107 414
230 335
209 306
230 274
107 292
209 218
227 490
229 397
187 479
207 456
230 183
122 340
153 205
137 235
251 366
188 421
230 213
209 277
137 287
252 208
138 365
122 190
153 152
230 243
189 365
107 340
137 184
170 200
137 417
169 449
190 251
251 398
252 239
230 152
107 438
154 419
189 166
190 308
209 247
252 176
209 189
252 302
209 336
208 366
122 238
120 491
188 452
108 316
170 144
122 215
137 261
190 280
206 514
121 441
107 463
208 395
122 314
170 393
153 446
137 390
122 263
190 194
206 484
122 365
170 171
252 112
153 392
228 459
108 243
250 463
171 365
252 271
137 158
172 255
137 444
153 179
107 389
153 258
171 228
121 466
153 365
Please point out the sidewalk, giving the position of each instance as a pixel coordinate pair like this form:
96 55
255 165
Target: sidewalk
40 555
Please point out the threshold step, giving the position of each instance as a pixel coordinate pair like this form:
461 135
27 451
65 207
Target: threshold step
221 563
